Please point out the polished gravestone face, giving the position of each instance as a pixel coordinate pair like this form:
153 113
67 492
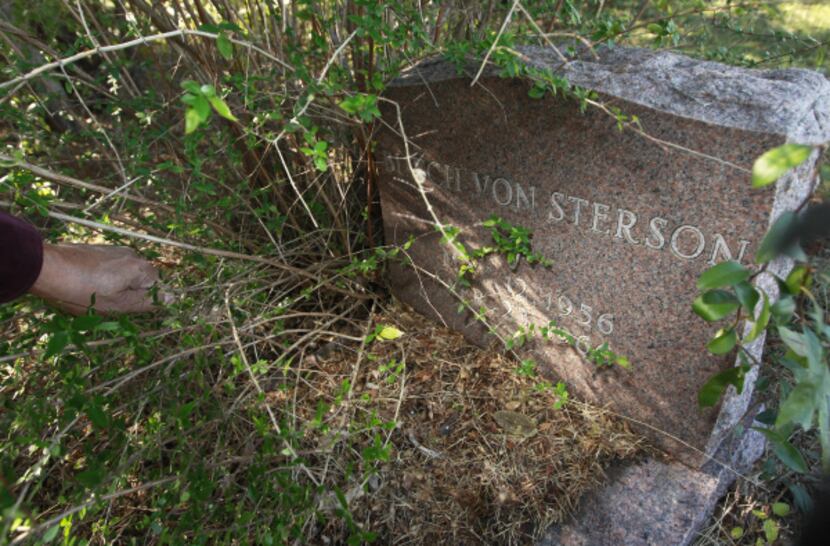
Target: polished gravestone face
628 222
627 225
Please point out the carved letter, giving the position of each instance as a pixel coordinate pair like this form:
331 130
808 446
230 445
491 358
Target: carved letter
389 164
556 203
442 179
600 214
721 248
479 187
656 226
700 244
521 196
579 203
624 227
504 183
457 179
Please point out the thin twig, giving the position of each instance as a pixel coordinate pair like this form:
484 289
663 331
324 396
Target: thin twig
495 42
133 43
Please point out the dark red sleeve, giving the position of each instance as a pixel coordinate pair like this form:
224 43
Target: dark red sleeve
21 256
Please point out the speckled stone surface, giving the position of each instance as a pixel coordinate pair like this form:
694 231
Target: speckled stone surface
628 222
646 504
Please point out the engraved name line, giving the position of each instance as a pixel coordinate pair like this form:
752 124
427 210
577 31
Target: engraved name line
686 241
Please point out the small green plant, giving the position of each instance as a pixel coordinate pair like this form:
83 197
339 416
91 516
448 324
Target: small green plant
513 242
202 100
727 293
765 521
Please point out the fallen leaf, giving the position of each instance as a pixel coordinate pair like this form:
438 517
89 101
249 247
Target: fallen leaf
515 423
389 333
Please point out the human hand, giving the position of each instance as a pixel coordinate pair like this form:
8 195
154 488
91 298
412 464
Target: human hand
118 276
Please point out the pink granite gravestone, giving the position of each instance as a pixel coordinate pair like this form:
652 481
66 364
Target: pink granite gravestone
628 221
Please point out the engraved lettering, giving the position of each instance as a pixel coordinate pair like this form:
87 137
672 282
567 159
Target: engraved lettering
600 214
457 179
521 197
481 188
655 227
507 191
556 203
442 178
625 221
720 248
701 242
579 202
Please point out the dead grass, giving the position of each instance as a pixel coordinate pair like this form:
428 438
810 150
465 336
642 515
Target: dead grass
455 476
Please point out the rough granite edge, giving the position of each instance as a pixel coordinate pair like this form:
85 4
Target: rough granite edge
794 102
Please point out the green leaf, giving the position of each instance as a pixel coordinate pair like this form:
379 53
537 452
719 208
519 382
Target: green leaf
536 92
321 163
97 416
801 497
85 323
774 163
723 342
773 242
814 353
799 407
784 450
796 279
761 322
783 309
715 305
794 340
191 86
221 108
57 343
91 477
771 530
736 533
711 392
781 509
192 120
50 535
225 47
723 274
748 296
389 333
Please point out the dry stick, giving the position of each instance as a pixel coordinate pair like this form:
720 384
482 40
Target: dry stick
288 447
200 249
98 126
133 43
542 34
420 177
108 497
125 77
35 470
70 181
299 114
294 185
635 127
495 41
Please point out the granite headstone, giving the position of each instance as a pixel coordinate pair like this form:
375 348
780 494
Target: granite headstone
628 219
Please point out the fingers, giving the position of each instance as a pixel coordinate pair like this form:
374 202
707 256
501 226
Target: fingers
128 301
144 275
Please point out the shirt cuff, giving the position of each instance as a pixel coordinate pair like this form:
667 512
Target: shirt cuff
21 257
